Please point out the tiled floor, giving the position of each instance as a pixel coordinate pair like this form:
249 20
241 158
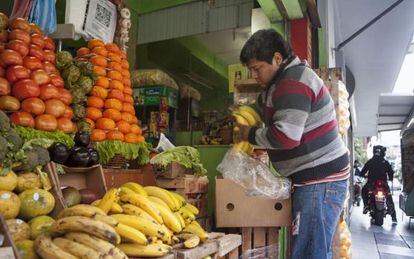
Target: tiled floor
386 242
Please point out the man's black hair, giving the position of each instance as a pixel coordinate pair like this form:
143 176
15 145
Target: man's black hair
263 44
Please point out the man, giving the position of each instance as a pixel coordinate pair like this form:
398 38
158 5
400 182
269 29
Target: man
378 169
302 140
357 171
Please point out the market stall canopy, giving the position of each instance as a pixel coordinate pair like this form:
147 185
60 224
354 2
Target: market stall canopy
375 56
394 111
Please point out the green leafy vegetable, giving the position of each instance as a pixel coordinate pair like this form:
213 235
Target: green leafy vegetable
109 148
186 156
27 134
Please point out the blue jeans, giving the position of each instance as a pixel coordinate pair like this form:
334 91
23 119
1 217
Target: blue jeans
316 211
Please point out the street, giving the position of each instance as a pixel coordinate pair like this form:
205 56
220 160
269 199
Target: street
386 242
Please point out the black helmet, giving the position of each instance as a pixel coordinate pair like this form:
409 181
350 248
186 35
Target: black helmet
379 150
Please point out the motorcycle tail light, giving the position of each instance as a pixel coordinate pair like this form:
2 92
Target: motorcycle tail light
380 194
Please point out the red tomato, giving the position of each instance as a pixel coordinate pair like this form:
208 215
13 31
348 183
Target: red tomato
65 125
4 87
18 46
55 107
40 76
48 91
49 67
68 113
25 88
2 72
38 40
20 35
36 51
11 57
20 23
49 44
46 122
15 73
57 80
22 119
33 105
65 96
32 63
49 55
4 34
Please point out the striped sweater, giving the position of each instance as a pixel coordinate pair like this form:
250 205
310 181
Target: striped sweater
300 133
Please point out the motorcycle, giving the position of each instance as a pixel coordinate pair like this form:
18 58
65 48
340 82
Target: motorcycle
377 198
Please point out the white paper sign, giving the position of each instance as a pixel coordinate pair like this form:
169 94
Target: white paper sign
101 20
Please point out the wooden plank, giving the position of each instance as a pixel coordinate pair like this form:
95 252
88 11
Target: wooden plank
228 243
233 254
259 237
200 251
7 238
188 184
272 236
246 239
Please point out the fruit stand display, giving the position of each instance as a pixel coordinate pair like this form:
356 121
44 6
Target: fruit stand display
61 118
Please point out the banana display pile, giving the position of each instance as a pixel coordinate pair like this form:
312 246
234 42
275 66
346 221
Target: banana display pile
247 116
128 221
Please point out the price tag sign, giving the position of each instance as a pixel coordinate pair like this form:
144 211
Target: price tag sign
101 20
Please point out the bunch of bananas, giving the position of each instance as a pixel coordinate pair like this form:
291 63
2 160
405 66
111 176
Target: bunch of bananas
247 116
81 231
150 219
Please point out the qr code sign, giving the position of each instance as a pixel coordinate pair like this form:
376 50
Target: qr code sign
103 15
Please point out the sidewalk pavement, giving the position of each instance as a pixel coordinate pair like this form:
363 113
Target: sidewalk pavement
386 242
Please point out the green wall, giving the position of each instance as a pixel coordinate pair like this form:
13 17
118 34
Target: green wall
178 60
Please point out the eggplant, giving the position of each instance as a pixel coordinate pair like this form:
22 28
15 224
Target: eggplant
82 139
59 153
79 157
93 157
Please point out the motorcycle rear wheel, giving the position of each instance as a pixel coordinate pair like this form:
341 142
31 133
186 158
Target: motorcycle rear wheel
379 218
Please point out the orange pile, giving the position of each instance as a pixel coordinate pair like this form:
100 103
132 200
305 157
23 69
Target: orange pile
110 105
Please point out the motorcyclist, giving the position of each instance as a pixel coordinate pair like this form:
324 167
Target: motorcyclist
378 169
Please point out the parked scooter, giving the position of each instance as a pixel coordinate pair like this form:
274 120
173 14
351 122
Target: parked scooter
358 183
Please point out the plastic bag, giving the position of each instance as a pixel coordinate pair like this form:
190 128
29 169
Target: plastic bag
43 13
255 176
164 144
341 242
268 252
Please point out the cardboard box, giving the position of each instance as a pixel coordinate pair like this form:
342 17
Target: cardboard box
235 209
81 178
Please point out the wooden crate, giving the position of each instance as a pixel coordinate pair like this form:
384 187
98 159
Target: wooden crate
257 237
8 249
219 245
184 185
172 171
56 190
117 177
